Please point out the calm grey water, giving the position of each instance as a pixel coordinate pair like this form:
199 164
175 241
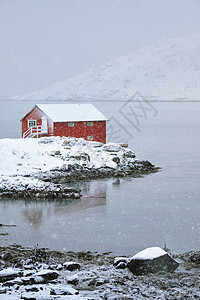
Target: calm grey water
126 215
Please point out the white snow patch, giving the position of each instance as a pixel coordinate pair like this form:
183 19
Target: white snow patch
69 263
8 272
8 297
149 253
22 160
120 258
45 272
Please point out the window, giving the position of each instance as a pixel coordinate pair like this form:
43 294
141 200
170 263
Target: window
31 123
71 124
89 123
90 137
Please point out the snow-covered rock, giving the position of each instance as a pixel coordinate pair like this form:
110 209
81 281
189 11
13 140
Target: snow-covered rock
120 261
39 167
8 274
152 260
63 290
47 275
168 70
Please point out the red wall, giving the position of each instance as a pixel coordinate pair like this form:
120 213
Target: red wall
35 114
81 130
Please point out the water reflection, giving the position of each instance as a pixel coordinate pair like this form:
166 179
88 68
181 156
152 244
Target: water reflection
128 214
44 220
33 215
94 195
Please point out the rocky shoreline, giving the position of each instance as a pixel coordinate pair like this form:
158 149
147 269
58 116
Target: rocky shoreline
42 168
77 172
47 191
43 274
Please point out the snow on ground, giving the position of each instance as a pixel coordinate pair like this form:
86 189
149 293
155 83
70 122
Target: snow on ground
22 160
29 156
96 278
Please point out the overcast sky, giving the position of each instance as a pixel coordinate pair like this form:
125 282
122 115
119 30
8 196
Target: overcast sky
46 41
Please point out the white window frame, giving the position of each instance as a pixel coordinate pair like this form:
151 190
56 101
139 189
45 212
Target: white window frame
89 123
32 121
70 124
90 138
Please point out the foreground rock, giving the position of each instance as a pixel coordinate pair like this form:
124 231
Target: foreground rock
41 168
41 274
152 260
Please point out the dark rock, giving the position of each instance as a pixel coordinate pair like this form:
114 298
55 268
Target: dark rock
71 266
7 256
59 267
73 279
121 265
27 280
116 159
53 292
2 291
32 289
27 296
163 263
191 257
129 154
143 263
100 282
82 156
47 275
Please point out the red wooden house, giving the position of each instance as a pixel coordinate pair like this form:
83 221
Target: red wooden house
75 120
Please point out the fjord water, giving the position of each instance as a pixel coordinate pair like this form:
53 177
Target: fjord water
120 215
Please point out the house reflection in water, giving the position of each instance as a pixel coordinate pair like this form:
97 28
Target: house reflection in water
33 213
94 195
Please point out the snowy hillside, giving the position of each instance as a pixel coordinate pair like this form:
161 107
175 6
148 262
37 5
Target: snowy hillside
165 71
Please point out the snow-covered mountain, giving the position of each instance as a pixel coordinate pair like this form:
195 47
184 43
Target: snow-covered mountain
165 71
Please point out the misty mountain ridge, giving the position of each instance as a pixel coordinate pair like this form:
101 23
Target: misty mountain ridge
168 70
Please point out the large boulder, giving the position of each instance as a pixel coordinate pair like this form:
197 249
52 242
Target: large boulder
152 260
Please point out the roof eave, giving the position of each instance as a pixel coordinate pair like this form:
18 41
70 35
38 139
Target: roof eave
32 110
29 112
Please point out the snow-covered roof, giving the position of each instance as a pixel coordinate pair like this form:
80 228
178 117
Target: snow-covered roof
72 112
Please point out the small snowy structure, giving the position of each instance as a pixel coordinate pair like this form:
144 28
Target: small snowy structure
69 120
